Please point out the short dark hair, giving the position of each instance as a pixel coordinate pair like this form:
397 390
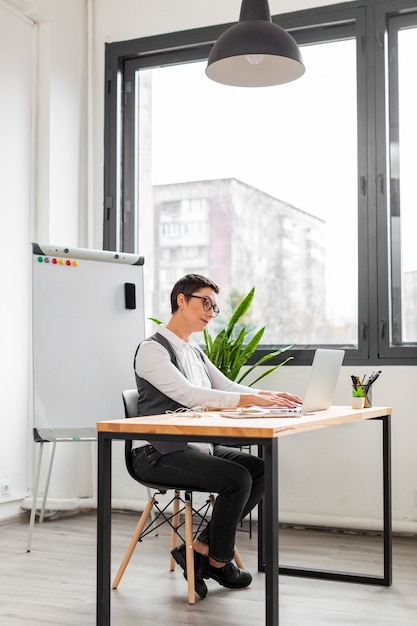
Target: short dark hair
187 285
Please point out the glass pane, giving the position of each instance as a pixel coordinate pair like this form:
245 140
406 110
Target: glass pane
404 194
255 187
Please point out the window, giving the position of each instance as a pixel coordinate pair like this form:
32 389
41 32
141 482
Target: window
273 187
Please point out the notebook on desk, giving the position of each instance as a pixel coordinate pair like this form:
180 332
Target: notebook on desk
319 393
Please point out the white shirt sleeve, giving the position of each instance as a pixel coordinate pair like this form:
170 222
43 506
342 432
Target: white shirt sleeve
153 363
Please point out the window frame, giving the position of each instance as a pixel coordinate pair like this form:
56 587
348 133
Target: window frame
368 21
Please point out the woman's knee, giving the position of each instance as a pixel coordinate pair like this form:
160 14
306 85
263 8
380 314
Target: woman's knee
239 480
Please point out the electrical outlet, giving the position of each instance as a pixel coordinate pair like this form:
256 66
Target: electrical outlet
4 488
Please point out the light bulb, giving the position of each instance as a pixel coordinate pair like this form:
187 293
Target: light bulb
254 59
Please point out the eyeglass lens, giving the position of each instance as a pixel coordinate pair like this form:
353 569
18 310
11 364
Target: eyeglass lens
207 304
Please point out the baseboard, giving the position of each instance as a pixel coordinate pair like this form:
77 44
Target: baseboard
342 523
60 504
11 514
358 524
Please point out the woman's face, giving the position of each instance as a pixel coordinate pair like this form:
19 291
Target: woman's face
197 310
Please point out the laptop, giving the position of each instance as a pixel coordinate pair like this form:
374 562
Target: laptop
319 394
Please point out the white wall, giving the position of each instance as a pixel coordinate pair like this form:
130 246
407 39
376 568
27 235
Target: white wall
16 72
330 476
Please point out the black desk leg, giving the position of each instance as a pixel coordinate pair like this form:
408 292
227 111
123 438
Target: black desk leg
269 519
103 530
386 452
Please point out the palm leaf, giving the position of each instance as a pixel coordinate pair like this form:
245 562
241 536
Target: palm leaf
156 320
240 311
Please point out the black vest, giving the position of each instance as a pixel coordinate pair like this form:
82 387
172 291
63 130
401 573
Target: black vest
151 401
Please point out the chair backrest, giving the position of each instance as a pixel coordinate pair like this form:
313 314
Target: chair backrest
130 402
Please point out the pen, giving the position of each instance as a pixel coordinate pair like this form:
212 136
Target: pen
375 376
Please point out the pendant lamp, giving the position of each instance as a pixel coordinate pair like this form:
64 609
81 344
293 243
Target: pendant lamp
255 52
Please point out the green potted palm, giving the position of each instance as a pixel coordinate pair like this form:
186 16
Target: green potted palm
234 345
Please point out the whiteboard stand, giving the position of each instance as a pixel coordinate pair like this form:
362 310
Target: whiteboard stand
35 491
53 436
35 488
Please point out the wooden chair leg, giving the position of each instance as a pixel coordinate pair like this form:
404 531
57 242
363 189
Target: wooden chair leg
134 541
189 552
175 524
189 548
238 560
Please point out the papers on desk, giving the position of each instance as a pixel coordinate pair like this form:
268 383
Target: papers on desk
264 413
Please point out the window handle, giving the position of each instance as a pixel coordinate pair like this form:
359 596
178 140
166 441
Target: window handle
381 184
382 327
364 330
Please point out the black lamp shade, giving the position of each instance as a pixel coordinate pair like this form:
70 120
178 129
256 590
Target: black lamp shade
255 53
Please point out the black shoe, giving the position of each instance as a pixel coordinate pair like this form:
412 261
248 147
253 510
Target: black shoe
200 565
230 576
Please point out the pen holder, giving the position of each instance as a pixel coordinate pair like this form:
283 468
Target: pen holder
366 395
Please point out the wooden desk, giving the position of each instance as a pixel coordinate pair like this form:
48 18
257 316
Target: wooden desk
263 432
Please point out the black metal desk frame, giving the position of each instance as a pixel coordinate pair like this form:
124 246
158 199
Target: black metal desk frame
386 578
268 560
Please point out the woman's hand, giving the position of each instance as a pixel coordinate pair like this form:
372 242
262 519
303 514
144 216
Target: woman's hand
270 398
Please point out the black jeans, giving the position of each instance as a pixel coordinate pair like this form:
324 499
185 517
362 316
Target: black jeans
236 477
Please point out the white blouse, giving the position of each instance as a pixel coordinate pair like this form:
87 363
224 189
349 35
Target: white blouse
214 391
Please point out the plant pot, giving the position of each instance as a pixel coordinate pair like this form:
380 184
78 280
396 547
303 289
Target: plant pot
358 403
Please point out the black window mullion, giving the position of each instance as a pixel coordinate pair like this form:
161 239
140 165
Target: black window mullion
365 191
381 187
112 118
127 205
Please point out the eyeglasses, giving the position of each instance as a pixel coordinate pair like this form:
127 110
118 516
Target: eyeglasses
207 304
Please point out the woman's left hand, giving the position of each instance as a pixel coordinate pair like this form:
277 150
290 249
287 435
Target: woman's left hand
282 398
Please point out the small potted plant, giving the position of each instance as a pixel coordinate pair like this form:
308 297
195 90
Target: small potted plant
358 397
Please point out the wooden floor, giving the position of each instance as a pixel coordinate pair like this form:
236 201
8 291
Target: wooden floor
55 583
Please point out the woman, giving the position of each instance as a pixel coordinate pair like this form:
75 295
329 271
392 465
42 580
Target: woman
172 372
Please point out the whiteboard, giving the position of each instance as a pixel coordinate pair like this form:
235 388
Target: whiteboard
88 318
